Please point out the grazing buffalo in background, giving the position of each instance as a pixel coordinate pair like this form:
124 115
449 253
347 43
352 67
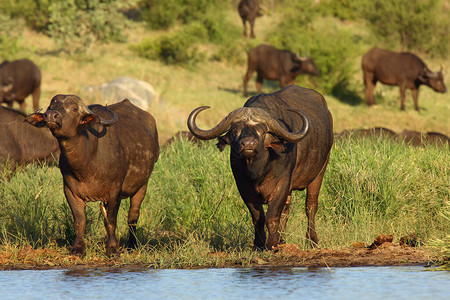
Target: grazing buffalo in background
274 64
280 142
22 143
18 79
249 10
403 69
417 138
107 154
370 132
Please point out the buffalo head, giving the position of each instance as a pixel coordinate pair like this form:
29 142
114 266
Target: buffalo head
435 80
66 115
308 66
250 132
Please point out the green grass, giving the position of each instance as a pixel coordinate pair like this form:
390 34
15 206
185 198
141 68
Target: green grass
193 208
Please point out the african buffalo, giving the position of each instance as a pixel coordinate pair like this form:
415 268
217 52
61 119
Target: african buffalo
370 132
274 64
22 143
107 154
416 138
249 10
18 79
403 69
280 142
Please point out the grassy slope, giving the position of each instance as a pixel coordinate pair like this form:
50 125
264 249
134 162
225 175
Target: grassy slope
219 85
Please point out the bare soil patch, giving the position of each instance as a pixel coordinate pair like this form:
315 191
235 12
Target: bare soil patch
288 255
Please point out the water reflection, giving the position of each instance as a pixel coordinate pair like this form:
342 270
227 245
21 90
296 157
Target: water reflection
252 283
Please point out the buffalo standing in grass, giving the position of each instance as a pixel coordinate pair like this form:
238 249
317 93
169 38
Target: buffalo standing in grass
107 154
280 142
22 143
274 64
18 79
403 69
249 10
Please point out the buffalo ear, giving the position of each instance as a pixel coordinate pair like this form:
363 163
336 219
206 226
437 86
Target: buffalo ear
87 119
222 142
36 119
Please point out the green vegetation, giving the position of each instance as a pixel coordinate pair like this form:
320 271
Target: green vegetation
196 55
192 206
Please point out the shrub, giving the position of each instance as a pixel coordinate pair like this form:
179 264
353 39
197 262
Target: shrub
34 12
10 35
163 14
75 25
177 47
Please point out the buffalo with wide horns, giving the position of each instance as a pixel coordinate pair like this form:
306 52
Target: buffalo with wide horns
280 142
107 154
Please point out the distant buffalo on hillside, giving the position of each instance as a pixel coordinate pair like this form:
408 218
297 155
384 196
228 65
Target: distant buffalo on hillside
403 69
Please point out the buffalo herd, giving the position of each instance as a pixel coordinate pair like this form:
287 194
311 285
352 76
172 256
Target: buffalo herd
280 141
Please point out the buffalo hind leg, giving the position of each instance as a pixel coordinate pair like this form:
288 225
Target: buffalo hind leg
133 215
369 82
312 200
258 218
247 78
252 24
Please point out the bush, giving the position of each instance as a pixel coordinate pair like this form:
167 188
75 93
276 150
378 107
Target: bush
163 14
177 47
10 35
75 25
34 12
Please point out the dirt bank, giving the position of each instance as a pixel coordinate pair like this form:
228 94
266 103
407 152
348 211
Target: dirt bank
288 255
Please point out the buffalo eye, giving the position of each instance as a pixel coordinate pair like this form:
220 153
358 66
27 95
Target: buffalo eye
74 109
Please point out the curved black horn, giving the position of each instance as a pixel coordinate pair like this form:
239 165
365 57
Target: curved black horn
102 121
214 132
291 137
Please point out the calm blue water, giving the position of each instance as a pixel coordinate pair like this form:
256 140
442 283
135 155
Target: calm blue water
288 283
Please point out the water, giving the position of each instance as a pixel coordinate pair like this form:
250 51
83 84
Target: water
287 283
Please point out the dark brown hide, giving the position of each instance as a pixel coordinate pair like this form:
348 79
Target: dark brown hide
370 132
18 79
22 143
102 163
266 168
417 138
273 64
403 69
249 10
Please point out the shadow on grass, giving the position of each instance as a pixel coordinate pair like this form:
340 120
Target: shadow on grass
346 95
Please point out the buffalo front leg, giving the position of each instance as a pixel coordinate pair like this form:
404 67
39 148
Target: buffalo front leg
246 79
258 218
415 94
283 220
133 215
402 97
110 220
252 24
77 207
259 81
36 96
274 211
